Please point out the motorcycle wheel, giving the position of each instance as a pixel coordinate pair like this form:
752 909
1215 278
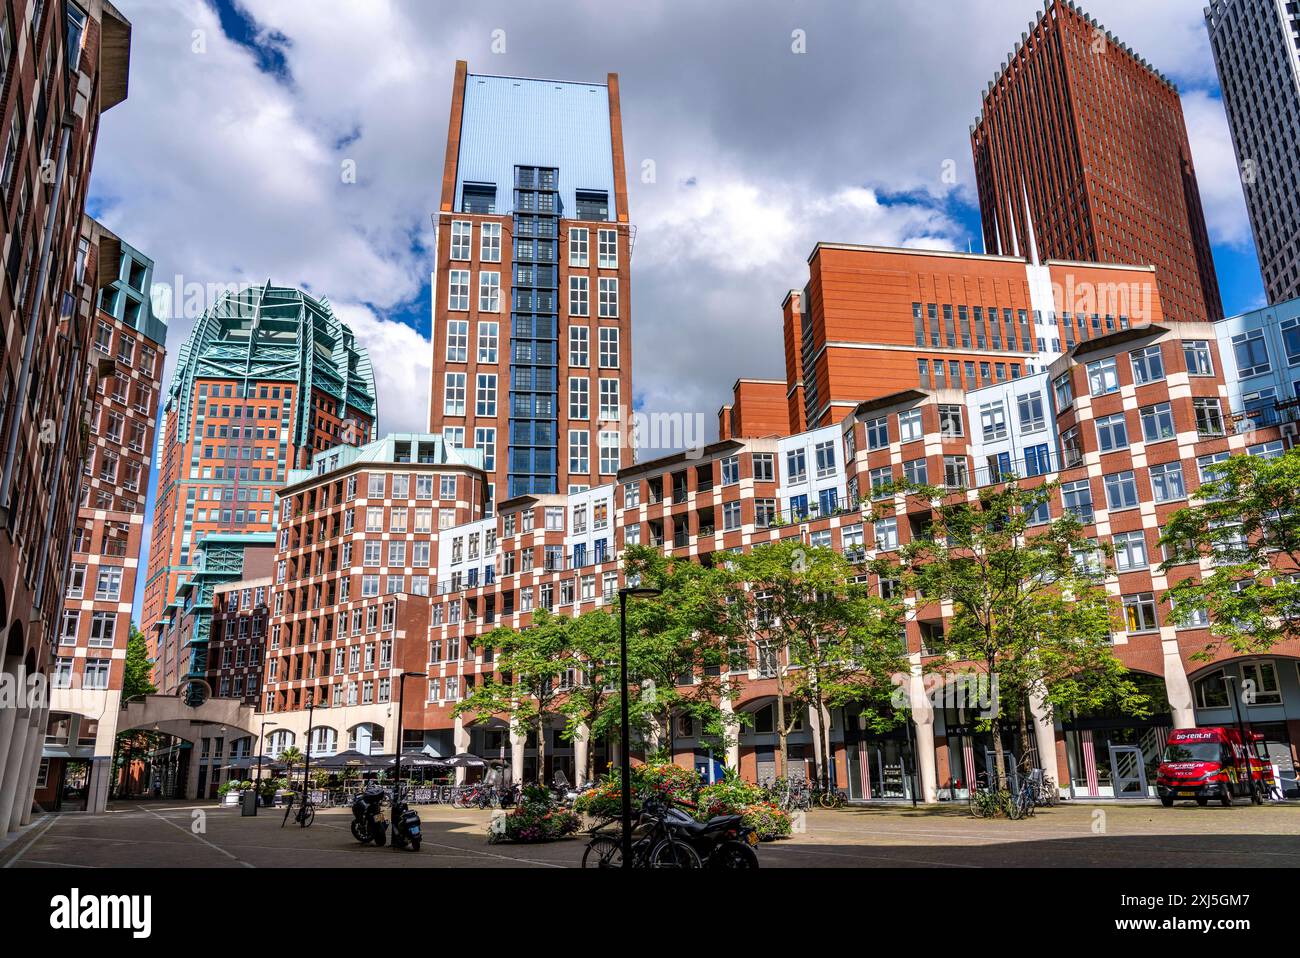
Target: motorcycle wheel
380 837
415 844
360 832
733 855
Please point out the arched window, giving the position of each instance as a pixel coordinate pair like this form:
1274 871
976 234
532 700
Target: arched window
277 742
367 738
1212 691
324 741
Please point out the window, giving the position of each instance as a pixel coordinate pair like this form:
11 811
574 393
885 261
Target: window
1103 376
796 466
1157 422
1291 341
1167 482
764 467
458 341
955 475
489 292
1200 362
1252 353
881 479
1140 613
108 584
914 471
95 675
579 296
878 433
485 440
579 397
1121 491
490 243
1076 498
1063 391
579 451
1259 685
485 397
825 456
1112 433
730 470
609 347
609 399
1209 417
950 422
909 426
579 239
458 289
631 495
607 252
1130 551
578 344
488 335
993 420
1038 460
103 629
608 287
454 396
609 453
461 231
887 534
1148 365
731 516
1032 418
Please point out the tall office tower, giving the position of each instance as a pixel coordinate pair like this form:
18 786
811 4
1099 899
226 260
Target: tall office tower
532 360
62 65
1257 50
267 378
126 357
874 321
1081 144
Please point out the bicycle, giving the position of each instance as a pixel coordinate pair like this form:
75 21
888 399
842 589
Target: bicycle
831 797
304 816
656 847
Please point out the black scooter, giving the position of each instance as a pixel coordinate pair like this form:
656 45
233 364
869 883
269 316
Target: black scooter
368 823
406 823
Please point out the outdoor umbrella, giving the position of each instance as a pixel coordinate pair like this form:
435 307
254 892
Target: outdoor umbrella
420 760
466 760
349 759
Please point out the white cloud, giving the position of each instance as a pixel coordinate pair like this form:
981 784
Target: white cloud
1217 172
402 363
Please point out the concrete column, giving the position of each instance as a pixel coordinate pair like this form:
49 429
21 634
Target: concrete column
1177 687
923 719
518 743
34 765
9 716
581 736
460 739
815 730
13 766
1045 736
101 772
27 767
732 758
192 778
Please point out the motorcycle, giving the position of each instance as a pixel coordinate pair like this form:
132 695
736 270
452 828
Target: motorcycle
406 824
724 841
368 824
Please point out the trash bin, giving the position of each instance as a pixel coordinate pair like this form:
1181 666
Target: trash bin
247 803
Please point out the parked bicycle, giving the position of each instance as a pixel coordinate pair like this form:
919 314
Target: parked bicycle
305 813
655 847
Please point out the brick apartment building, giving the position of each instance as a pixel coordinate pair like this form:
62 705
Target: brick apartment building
532 300
268 377
62 65
1082 144
127 352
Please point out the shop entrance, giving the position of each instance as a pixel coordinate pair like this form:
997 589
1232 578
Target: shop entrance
74 789
1128 771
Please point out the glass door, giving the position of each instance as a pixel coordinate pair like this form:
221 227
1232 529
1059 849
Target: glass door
1128 770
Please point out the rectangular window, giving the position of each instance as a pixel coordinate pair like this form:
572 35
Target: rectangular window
764 467
1103 376
1030 407
1200 361
579 452
609 399
607 254
485 440
490 243
1121 491
454 395
609 347
1130 551
993 420
1167 482
579 337
1209 417
878 433
457 341
458 289
579 397
488 338
1252 353
1076 498
1140 613
579 296
955 475
1112 433
609 453
1157 422
608 288
489 291
951 422
825 455
1148 365
796 466
579 241
909 426
461 232
485 397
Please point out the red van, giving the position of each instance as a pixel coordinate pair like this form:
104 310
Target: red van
1205 763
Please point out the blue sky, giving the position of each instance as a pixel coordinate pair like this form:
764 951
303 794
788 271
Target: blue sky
224 163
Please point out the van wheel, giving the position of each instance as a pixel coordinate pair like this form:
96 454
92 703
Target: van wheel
1257 795
1226 799
1167 802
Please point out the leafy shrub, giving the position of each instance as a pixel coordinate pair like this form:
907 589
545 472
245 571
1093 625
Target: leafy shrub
535 819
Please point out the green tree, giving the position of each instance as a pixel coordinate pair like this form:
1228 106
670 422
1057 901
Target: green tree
592 701
1246 521
823 636
532 663
137 678
1028 606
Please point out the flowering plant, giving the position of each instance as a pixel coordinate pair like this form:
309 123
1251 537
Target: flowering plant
535 819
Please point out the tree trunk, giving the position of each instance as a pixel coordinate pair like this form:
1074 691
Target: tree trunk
783 766
541 749
1023 731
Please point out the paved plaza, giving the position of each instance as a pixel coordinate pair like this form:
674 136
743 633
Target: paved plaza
164 835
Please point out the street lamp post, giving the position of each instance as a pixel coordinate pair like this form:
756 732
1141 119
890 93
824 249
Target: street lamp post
257 780
306 765
625 722
397 771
